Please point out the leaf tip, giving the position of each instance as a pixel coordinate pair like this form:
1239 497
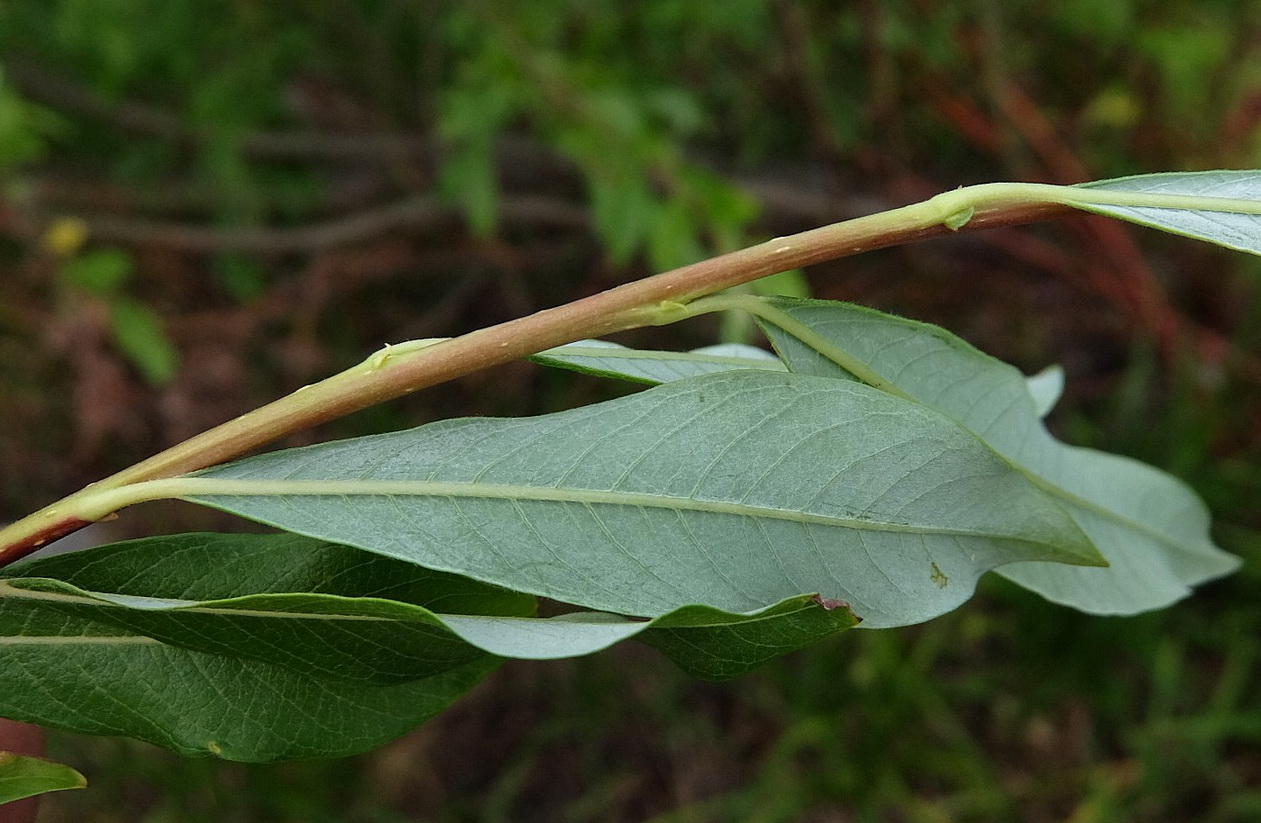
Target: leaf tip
832 604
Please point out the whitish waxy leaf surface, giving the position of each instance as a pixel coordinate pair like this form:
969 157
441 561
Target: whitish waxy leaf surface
607 359
736 491
22 777
1236 230
1152 529
1046 387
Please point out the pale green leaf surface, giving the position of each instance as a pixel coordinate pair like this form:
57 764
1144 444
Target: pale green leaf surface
606 359
1046 387
22 777
1152 529
1230 229
704 641
736 490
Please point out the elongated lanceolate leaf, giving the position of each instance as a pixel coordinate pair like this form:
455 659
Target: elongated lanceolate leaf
358 635
1152 529
1235 230
61 667
706 642
316 608
736 491
329 669
607 359
95 678
22 777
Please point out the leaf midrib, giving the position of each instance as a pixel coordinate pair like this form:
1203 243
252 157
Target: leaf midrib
198 489
181 606
223 608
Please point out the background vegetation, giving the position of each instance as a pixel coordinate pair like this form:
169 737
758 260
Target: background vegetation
205 205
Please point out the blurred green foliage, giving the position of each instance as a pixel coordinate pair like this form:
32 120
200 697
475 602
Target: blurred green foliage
650 100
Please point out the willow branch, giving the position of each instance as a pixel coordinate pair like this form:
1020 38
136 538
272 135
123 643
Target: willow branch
655 300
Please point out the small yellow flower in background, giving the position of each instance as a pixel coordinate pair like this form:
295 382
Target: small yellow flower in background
65 236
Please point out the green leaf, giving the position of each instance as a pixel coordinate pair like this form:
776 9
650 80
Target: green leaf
1152 529
102 272
333 622
113 680
295 670
1234 230
600 357
704 641
715 645
22 777
1046 387
605 359
138 332
317 608
735 490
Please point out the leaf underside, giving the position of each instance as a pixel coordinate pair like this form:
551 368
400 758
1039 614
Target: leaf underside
1152 529
1234 230
605 359
734 490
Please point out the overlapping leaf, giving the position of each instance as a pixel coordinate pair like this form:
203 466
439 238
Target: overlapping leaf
1151 528
95 678
337 622
600 357
113 680
607 359
159 639
1239 230
22 777
735 490
319 609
